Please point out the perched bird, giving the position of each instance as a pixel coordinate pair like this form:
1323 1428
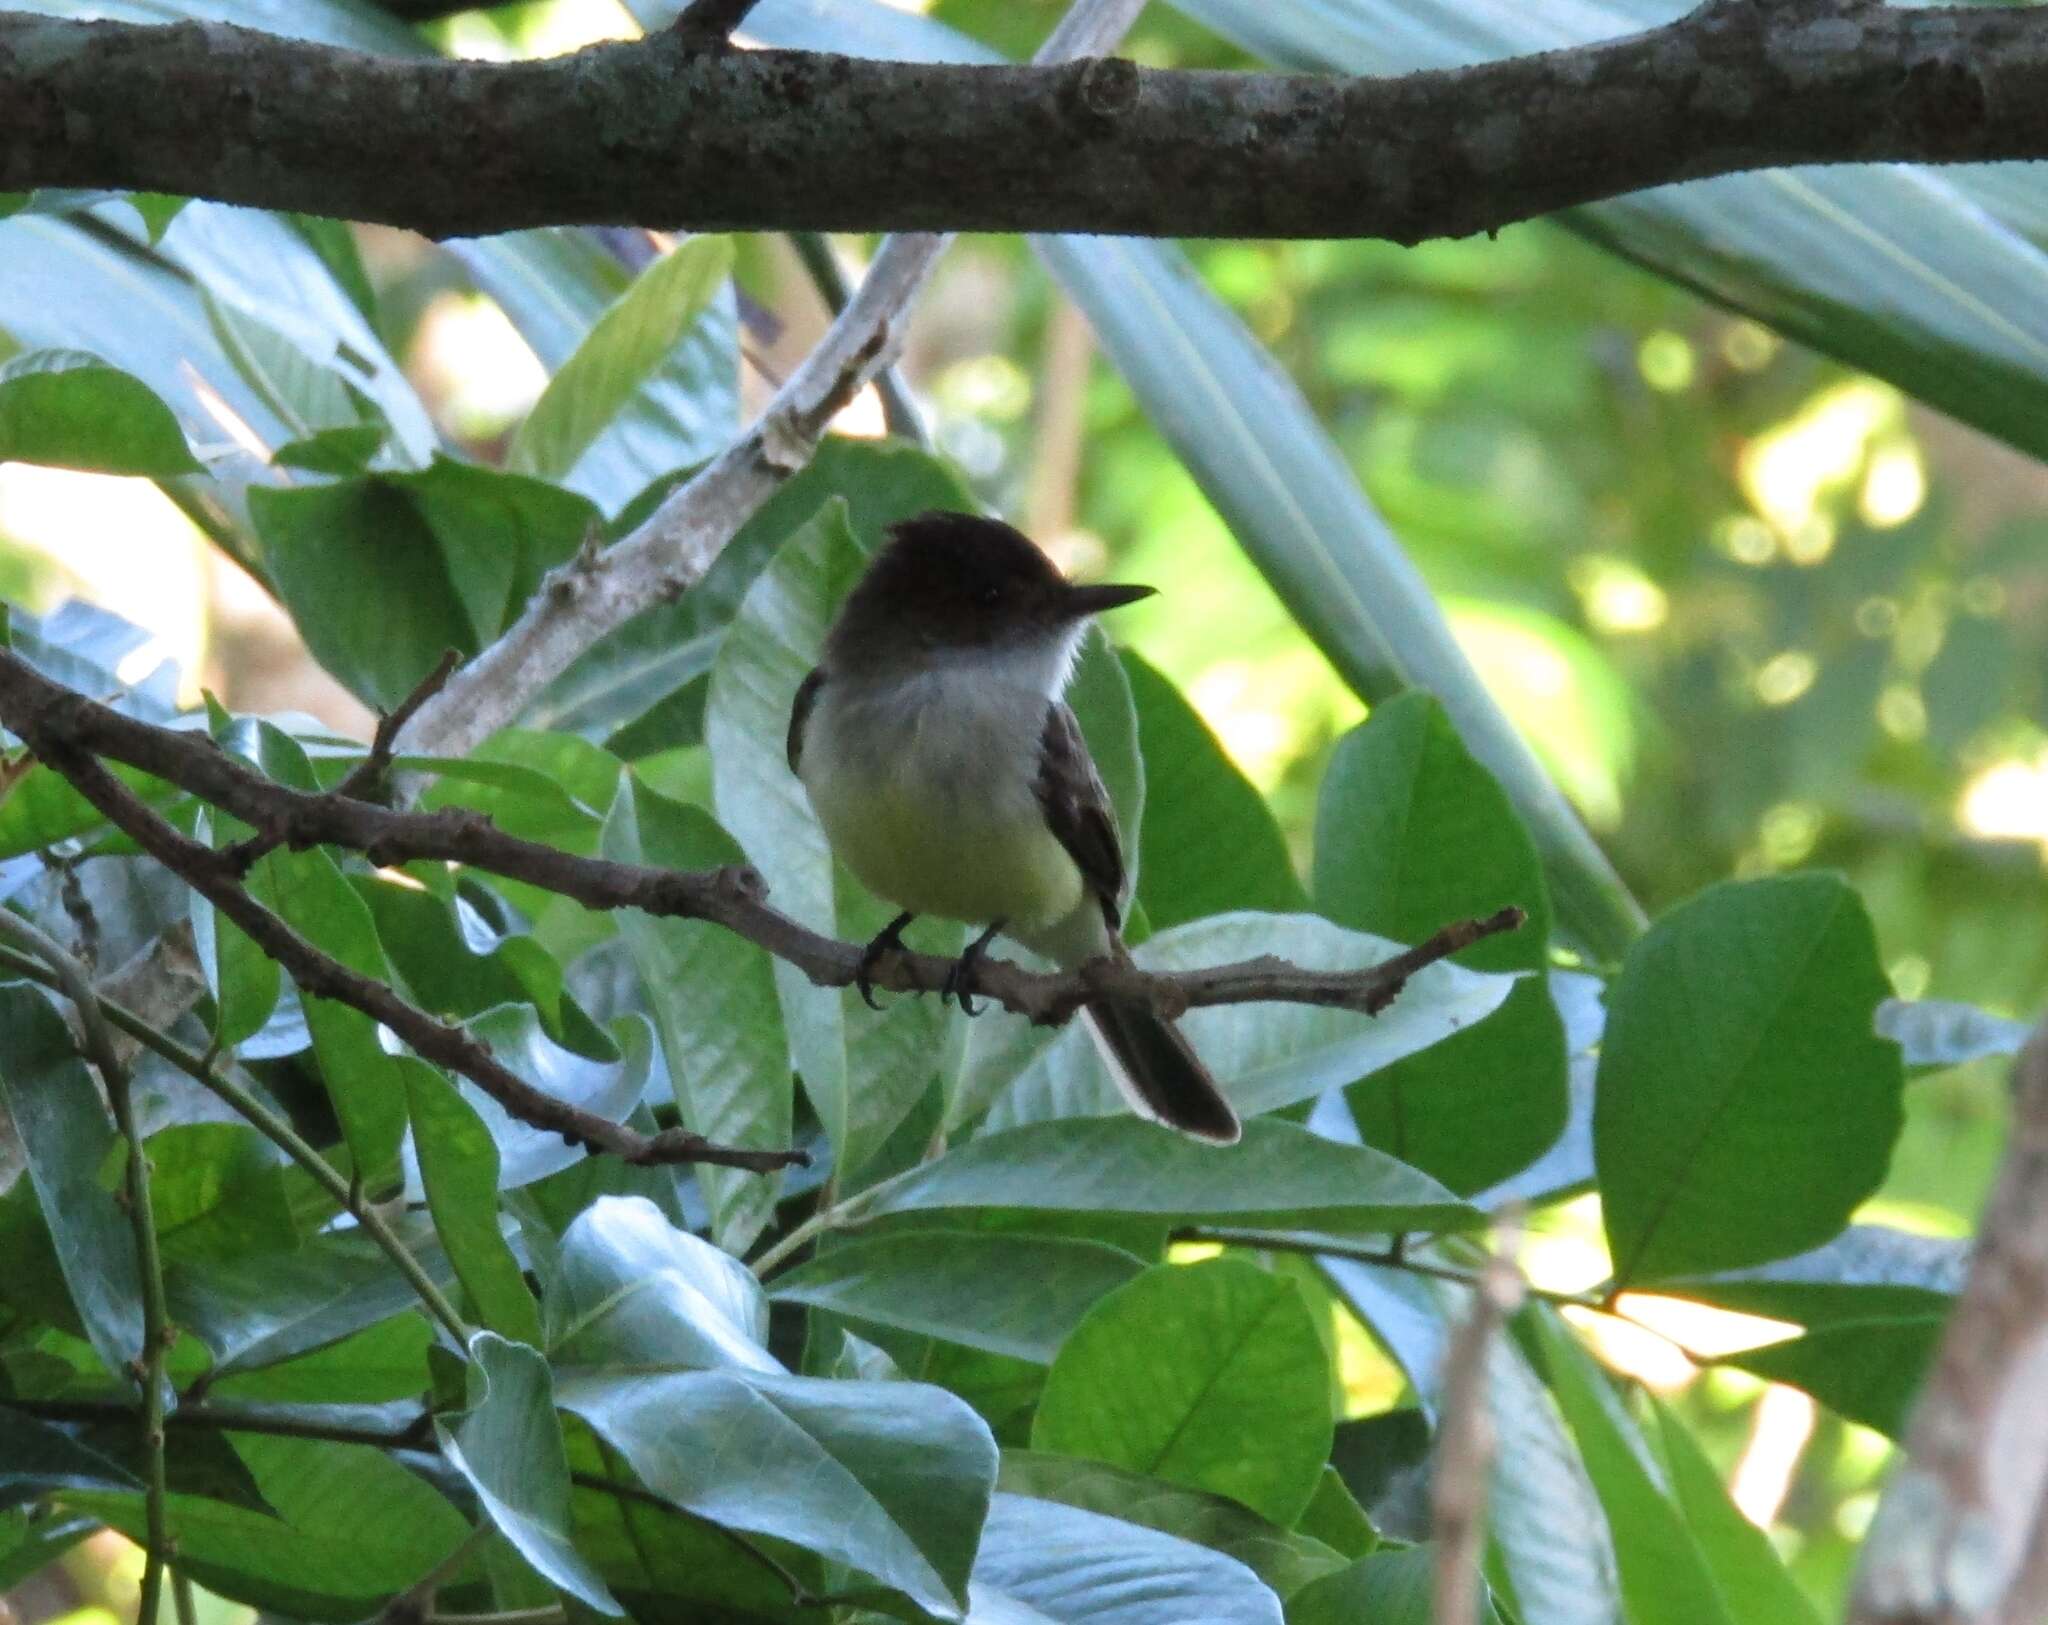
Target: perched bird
953 780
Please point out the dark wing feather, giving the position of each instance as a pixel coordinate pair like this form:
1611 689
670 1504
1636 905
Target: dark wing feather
800 713
1077 807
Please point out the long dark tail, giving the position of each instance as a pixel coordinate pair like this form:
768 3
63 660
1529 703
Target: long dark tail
1160 1074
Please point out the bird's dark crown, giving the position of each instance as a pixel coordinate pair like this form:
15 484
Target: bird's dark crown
954 581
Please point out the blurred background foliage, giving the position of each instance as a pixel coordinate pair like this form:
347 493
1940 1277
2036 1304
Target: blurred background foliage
1753 610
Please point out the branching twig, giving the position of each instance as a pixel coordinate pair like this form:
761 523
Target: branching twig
900 415
59 723
148 1368
707 25
1465 1441
365 778
320 975
587 598
273 1128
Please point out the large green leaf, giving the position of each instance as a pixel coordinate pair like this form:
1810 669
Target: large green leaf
1276 1175
218 1190
1286 1559
458 1165
712 996
555 285
1208 841
508 1444
659 1346
32 1539
1042 1563
384 573
1746 1566
1008 1293
37 1456
1412 834
625 347
72 409
1745 1106
55 1103
1172 1373
1267 1056
1896 270
1868 1272
1665 1579
1866 1370
353 1527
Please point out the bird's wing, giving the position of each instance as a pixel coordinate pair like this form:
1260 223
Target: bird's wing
1078 810
800 713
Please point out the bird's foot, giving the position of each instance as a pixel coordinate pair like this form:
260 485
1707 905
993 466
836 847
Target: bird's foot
959 983
888 940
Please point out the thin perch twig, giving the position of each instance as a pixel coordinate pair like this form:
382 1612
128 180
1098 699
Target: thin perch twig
59 723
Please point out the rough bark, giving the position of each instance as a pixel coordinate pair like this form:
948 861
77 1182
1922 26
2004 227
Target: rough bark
664 132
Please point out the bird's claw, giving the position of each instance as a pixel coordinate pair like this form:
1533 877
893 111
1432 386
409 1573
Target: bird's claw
888 940
959 983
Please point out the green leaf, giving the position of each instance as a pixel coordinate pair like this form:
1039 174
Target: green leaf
65 1133
1867 1370
713 1000
1389 1588
1271 470
1868 1272
244 980
1758 1135
1208 841
36 1457
218 1191
366 1085
341 451
1043 1562
71 409
458 1165
555 285
1008 1293
508 1444
382 574
622 350
1334 1517
1412 834
1752 1576
1170 1374
1268 1056
353 1528
1942 1032
1277 1175
1665 1579
1284 1559
659 1345
862 1071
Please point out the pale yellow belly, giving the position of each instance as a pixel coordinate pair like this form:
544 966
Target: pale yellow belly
938 821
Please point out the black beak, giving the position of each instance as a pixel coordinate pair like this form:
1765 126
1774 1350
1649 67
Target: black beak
1094 600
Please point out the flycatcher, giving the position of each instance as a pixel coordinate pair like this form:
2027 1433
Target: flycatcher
953 780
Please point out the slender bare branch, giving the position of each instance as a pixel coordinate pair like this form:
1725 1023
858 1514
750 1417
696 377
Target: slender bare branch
663 131
1465 1442
1961 1537
586 599
69 731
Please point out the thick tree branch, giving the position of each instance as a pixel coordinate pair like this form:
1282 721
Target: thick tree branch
1962 1535
661 131
70 732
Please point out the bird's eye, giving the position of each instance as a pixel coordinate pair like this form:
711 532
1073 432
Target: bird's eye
991 596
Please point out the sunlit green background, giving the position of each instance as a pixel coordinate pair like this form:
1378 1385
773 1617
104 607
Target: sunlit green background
1755 612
